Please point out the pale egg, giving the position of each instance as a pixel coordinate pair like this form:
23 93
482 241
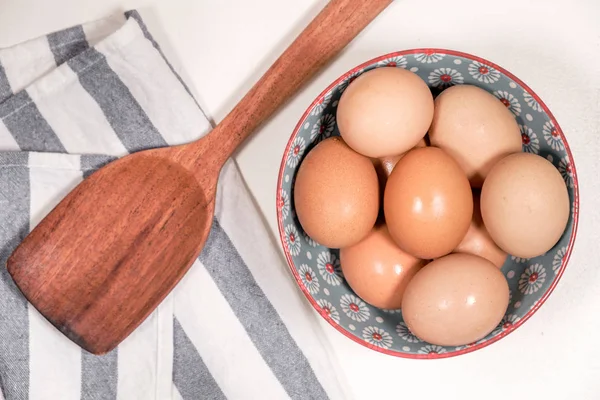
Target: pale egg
385 112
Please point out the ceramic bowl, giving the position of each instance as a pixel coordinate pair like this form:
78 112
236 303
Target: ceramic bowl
317 269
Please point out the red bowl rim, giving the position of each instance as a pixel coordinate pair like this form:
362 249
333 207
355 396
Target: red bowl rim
469 348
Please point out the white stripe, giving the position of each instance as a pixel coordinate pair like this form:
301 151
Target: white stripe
138 361
166 102
174 396
165 349
55 361
221 340
95 31
73 114
26 62
7 142
241 221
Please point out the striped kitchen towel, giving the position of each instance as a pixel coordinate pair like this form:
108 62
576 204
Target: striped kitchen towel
236 327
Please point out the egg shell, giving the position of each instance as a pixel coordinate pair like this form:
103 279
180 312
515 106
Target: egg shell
525 205
378 270
478 241
455 300
428 204
336 194
475 128
385 112
385 165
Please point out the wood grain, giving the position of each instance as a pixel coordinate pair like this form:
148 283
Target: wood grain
107 255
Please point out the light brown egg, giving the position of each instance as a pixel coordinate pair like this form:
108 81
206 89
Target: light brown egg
455 300
427 203
475 128
478 241
525 205
385 112
336 194
385 165
378 270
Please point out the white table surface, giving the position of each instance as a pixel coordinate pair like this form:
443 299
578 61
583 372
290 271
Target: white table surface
223 46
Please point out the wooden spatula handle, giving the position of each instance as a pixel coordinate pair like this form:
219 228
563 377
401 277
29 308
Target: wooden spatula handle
335 26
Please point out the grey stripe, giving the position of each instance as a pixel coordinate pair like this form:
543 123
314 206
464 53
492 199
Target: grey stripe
91 162
136 15
67 43
28 126
14 319
190 375
123 113
264 326
99 375
5 90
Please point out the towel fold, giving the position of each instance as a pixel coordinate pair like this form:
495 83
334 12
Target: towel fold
235 327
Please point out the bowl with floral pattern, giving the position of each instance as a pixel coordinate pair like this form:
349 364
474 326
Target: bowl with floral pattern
317 268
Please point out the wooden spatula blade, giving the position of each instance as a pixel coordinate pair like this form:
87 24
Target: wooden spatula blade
114 248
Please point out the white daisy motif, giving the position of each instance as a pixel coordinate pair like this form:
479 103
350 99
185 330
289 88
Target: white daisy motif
399 62
354 308
405 333
558 259
531 143
284 204
445 77
323 128
531 102
321 104
552 136
532 279
519 259
431 349
292 240
506 324
309 278
535 303
377 337
429 57
329 310
509 101
329 268
483 73
298 147
342 86
564 167
311 242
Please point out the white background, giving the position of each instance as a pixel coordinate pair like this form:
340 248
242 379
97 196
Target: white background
222 47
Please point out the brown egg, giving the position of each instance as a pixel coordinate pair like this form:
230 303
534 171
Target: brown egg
478 241
525 205
385 165
427 203
475 128
455 300
336 194
385 112
378 270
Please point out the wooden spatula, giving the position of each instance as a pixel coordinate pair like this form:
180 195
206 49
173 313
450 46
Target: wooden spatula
112 250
